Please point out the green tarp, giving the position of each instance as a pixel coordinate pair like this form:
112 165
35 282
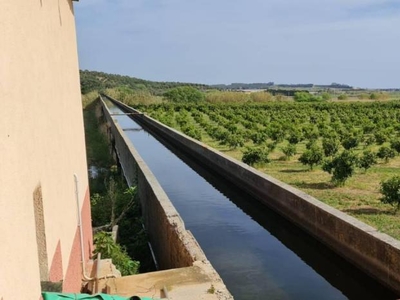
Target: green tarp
64 296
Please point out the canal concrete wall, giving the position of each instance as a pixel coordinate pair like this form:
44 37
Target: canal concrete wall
173 245
375 253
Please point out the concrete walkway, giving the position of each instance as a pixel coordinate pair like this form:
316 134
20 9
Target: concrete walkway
183 283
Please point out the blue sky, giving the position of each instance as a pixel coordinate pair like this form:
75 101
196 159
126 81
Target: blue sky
222 41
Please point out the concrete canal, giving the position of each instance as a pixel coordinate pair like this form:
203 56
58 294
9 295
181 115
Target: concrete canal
258 254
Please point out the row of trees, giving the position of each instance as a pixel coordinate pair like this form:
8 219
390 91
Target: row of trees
339 137
135 90
100 81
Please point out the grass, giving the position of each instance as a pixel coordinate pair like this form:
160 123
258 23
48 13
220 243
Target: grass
96 143
358 198
211 290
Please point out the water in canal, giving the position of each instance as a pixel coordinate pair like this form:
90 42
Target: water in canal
258 254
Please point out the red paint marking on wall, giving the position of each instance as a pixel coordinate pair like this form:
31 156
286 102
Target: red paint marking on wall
73 277
56 268
87 225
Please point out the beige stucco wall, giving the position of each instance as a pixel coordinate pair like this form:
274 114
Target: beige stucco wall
41 137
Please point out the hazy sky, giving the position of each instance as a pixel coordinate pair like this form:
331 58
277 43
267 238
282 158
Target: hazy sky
222 41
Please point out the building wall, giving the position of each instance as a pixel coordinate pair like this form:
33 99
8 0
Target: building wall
41 147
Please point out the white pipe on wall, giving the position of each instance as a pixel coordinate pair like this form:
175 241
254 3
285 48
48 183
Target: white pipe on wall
85 277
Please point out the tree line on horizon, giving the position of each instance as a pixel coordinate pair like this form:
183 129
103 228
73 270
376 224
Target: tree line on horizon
100 81
133 90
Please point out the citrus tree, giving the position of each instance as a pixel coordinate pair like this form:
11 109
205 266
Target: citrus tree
341 167
390 190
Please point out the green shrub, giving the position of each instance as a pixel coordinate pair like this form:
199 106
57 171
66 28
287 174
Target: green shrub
192 131
258 137
330 146
312 156
370 140
184 94
350 141
395 145
367 160
305 97
326 96
386 153
234 140
341 167
374 96
289 151
380 137
254 156
390 190
105 245
295 136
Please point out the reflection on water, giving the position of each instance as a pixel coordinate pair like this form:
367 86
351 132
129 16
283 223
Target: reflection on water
258 254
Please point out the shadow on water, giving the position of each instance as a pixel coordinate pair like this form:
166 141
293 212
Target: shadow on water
351 281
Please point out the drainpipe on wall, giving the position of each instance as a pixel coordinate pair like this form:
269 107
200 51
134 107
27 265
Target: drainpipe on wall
85 277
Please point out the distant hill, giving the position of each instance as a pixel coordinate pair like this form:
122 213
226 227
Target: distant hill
93 80
244 86
269 85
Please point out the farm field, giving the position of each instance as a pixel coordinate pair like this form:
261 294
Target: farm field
296 142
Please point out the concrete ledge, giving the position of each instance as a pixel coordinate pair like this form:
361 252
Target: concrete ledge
374 252
173 245
184 283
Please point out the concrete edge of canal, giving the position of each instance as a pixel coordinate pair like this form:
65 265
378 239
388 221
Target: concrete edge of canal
174 246
376 253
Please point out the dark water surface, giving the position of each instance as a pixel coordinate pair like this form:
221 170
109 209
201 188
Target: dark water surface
258 254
